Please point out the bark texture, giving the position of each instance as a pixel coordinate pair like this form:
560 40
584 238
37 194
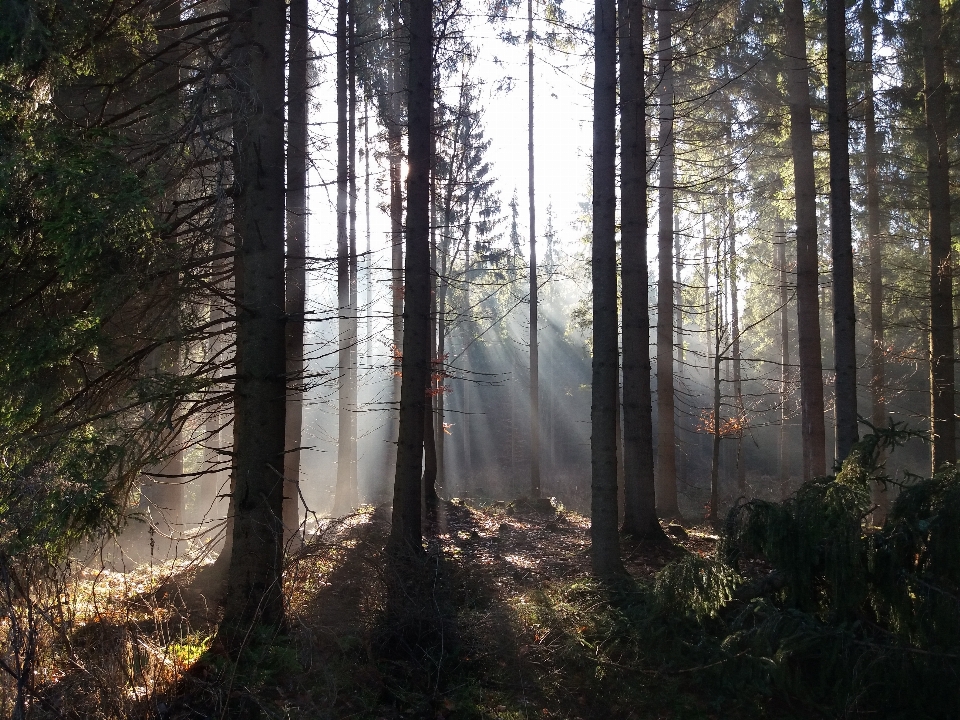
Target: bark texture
639 492
605 542
296 274
534 315
254 593
666 420
844 311
943 422
406 534
808 298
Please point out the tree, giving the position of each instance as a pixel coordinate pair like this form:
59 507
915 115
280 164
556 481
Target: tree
844 311
640 509
666 413
808 298
942 401
534 316
406 534
296 282
605 547
872 160
254 593
346 497
780 238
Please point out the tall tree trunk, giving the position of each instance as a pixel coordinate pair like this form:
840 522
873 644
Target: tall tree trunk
707 323
254 593
368 300
406 534
605 542
714 513
781 242
678 324
808 298
296 274
844 310
943 423
666 420
534 342
439 431
395 149
354 316
881 498
467 384
431 500
735 339
343 498
639 490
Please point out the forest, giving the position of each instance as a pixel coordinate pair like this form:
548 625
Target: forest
479 359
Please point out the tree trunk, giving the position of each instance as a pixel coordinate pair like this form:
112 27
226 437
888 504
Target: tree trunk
354 316
713 514
466 385
534 342
431 500
808 298
254 593
844 310
368 300
406 534
639 490
296 273
439 431
943 423
666 420
345 497
781 242
605 543
395 149
735 339
678 325
881 498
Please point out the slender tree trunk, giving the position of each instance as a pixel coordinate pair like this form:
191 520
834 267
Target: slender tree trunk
406 533
441 369
844 310
605 543
808 298
881 498
707 323
534 341
678 324
395 149
735 339
781 242
714 512
254 593
943 422
296 274
466 385
640 511
354 316
343 500
666 414
368 300
431 501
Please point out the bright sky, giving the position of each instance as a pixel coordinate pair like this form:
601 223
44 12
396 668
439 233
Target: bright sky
562 122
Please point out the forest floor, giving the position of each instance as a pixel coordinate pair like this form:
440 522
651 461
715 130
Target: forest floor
512 626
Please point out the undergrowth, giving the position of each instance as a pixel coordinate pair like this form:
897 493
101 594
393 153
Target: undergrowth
801 610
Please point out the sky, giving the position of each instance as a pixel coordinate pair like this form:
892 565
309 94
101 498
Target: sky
562 99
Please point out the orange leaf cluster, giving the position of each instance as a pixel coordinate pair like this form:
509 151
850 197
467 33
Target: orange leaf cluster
730 427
